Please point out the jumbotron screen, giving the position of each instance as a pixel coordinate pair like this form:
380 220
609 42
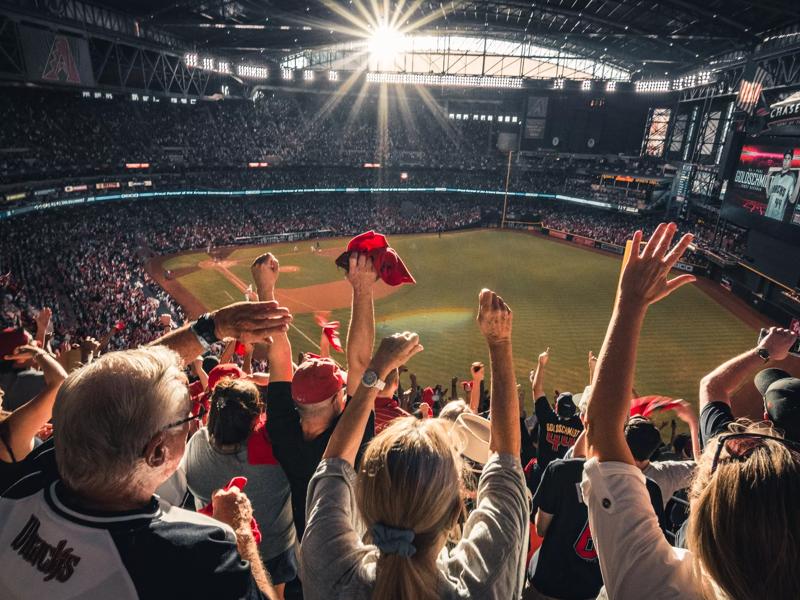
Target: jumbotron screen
763 192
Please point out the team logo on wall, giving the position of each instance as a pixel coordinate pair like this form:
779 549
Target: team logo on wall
60 64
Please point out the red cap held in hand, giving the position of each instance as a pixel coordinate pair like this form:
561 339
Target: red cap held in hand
388 264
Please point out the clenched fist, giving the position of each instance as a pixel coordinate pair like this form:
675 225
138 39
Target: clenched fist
494 317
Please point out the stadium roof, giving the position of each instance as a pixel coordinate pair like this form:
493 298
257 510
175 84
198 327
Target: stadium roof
647 35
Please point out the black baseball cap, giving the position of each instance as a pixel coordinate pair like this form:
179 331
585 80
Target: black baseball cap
781 393
565 405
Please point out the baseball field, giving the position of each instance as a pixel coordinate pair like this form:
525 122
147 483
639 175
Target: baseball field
561 296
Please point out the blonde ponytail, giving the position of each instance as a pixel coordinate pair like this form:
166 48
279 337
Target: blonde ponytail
409 495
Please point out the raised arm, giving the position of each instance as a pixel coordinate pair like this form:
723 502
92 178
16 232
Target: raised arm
249 322
722 382
475 390
265 270
361 334
23 424
642 283
592 366
538 376
494 320
687 415
42 323
346 438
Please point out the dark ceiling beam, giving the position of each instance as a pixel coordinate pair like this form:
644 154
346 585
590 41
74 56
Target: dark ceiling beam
787 7
697 9
615 25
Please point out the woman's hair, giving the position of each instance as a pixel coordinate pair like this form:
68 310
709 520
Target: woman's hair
744 523
235 404
453 409
410 480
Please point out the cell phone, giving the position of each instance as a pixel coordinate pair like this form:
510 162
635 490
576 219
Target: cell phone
794 350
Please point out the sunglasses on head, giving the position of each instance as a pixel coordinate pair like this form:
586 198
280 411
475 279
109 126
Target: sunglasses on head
741 445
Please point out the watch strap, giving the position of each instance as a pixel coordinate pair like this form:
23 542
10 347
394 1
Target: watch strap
203 330
763 353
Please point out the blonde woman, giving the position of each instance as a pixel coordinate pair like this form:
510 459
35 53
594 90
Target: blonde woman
407 494
744 528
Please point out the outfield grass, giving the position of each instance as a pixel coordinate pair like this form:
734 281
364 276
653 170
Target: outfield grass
561 296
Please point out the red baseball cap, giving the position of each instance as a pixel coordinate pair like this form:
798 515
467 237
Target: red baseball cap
221 372
317 379
11 338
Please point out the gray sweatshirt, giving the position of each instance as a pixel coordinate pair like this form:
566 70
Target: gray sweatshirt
487 563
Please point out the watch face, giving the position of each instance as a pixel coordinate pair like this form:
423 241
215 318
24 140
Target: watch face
369 378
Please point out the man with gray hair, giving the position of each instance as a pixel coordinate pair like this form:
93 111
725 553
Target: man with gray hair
81 519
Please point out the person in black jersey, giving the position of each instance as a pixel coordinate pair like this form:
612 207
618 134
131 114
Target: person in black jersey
558 429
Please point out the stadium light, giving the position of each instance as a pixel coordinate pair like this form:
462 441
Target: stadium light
308 75
558 84
586 85
653 85
333 75
611 86
385 44
287 74
481 81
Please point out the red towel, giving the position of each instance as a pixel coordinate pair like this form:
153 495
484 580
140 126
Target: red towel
239 482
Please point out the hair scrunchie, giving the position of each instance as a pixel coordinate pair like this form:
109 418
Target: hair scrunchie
391 540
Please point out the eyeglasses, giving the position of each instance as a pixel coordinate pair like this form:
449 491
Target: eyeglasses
200 414
741 445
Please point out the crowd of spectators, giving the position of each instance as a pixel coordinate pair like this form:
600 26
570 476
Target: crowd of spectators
286 480
54 135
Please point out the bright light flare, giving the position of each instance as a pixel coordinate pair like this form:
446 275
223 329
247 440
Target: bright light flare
384 46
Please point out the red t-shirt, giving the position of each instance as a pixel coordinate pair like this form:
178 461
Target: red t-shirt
386 411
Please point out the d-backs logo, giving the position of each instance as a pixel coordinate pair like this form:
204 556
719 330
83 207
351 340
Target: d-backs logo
60 62
54 561
584 545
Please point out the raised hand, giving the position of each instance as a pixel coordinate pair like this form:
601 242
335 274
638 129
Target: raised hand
361 272
43 319
644 276
251 322
494 317
265 270
777 342
592 361
394 351
478 372
544 357
684 411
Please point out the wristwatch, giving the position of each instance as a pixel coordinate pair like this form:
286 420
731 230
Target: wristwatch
203 330
763 353
370 379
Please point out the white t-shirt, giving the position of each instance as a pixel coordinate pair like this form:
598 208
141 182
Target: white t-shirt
670 475
635 558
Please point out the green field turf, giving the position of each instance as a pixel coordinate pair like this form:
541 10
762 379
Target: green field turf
561 296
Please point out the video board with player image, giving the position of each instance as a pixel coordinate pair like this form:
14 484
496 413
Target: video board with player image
764 190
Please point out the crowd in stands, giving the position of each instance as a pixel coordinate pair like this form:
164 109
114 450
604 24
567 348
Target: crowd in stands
50 135
168 470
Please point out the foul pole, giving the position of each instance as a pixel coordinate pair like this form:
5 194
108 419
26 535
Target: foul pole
505 195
